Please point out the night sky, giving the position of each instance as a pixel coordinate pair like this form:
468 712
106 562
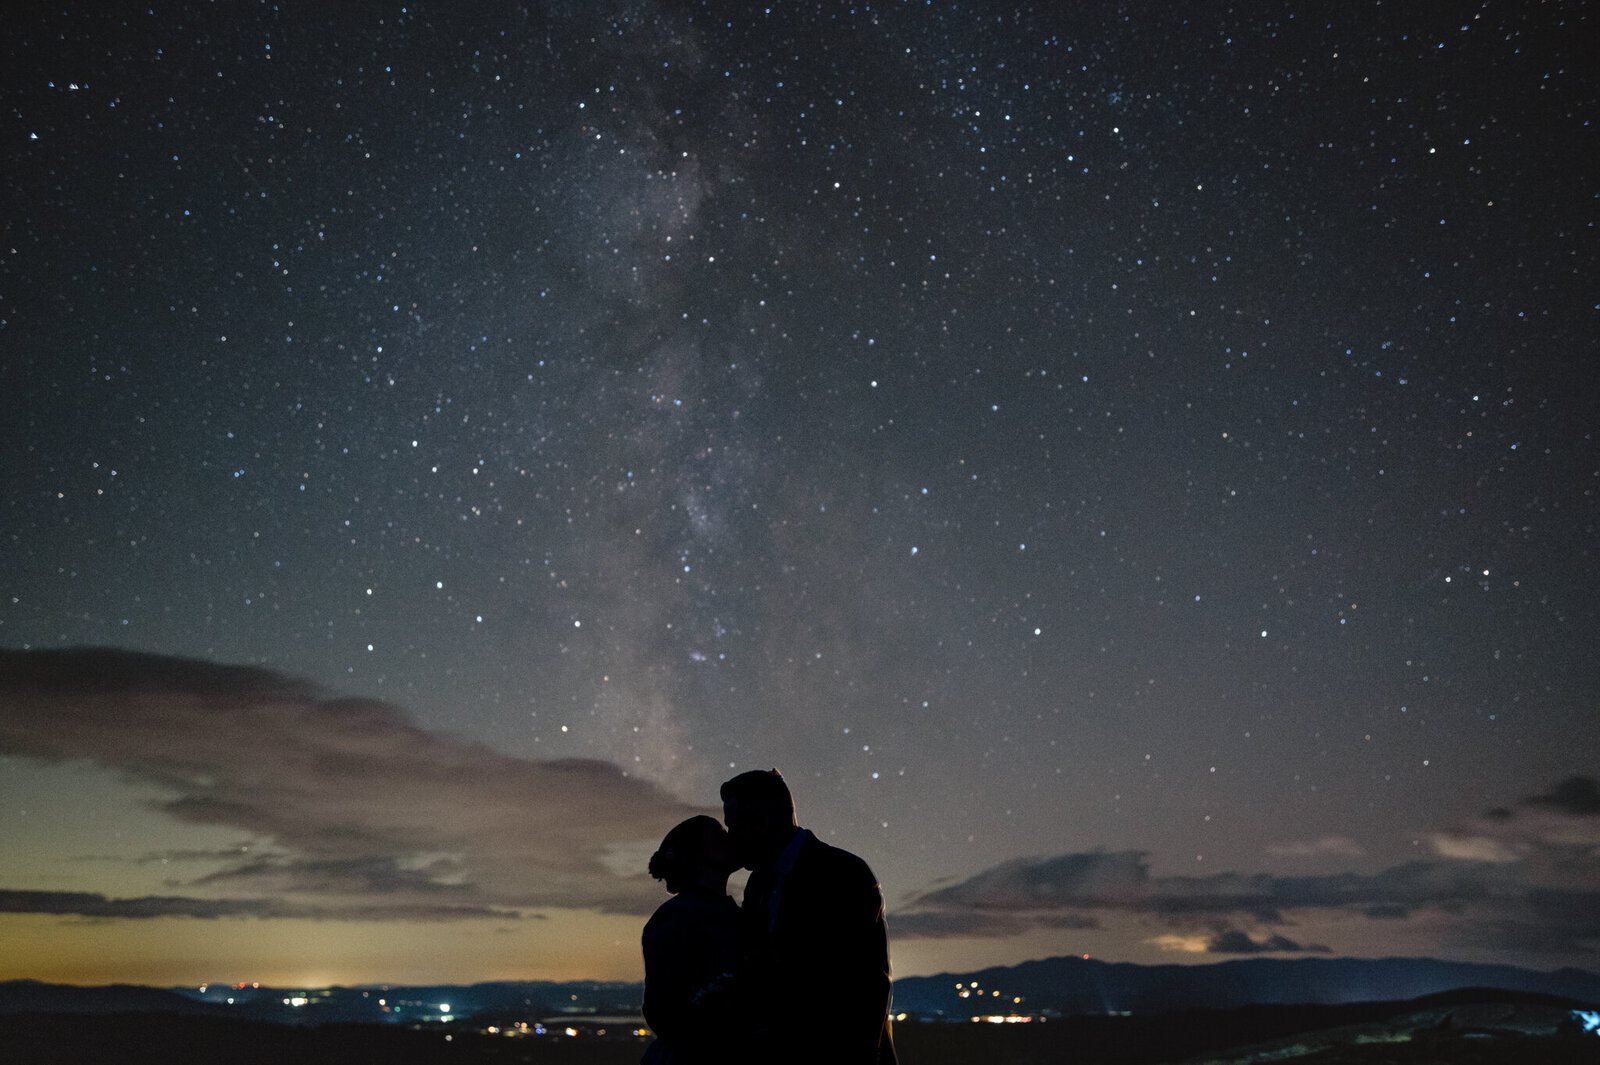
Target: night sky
1133 467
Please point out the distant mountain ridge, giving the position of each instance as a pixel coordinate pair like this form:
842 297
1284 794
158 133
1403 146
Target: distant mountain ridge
33 996
1063 986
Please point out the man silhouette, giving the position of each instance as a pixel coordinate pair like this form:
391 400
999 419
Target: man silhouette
814 946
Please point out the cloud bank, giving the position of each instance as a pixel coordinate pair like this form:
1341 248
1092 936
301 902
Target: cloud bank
352 812
1526 878
358 813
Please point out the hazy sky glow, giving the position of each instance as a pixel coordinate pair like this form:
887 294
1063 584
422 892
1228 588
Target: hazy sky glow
1135 473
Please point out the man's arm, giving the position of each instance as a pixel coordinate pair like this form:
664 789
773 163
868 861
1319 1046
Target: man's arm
851 950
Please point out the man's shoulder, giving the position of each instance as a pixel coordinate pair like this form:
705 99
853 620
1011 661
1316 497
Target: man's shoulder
826 859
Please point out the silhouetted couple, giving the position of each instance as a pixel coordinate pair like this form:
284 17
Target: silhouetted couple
798 974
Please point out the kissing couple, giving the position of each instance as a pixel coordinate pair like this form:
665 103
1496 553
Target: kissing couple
797 975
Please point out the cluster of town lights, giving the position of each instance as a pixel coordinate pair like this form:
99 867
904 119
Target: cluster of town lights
523 1028
972 990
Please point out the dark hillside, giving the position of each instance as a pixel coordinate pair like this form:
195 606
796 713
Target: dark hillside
171 1039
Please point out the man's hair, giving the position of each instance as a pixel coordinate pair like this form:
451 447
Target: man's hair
760 787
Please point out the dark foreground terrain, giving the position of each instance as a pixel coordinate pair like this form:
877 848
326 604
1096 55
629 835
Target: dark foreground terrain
1477 1034
1462 1028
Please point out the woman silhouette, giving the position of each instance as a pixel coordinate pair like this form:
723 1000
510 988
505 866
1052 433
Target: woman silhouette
690 946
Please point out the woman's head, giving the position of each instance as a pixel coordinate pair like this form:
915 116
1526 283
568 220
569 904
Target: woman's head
694 847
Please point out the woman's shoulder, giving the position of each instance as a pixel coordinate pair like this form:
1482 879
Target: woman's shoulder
688 907
706 906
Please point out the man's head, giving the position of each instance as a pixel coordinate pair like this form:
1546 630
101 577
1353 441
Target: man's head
759 813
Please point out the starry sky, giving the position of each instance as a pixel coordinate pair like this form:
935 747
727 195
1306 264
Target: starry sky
1132 466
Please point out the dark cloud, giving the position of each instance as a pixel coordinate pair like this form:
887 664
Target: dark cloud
953 924
1121 880
1412 884
361 807
1075 888
94 905
1574 796
1558 830
371 875
211 855
1239 943
1544 921
1096 879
